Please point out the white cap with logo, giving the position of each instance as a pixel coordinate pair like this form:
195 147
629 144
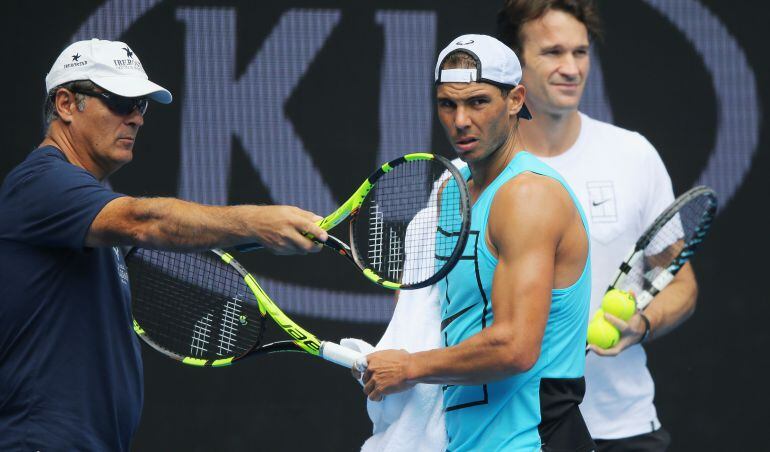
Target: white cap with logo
496 63
110 64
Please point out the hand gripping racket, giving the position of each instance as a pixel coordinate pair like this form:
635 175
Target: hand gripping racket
666 245
404 197
205 309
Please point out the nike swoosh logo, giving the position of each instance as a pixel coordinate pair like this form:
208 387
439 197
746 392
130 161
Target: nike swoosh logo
445 323
596 204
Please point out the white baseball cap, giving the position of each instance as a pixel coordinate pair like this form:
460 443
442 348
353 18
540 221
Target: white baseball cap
496 63
110 64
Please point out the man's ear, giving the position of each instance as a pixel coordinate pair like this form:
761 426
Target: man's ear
65 104
516 97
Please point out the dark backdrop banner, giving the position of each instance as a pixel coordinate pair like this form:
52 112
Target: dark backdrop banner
296 101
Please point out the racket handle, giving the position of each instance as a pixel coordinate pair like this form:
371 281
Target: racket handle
246 247
343 356
332 242
659 283
643 299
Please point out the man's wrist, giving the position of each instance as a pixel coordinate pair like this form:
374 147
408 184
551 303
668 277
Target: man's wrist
647 328
413 368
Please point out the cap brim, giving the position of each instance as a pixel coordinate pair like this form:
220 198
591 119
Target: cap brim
134 87
524 112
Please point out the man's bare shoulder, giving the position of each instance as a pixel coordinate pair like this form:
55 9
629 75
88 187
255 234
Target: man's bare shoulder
529 209
532 192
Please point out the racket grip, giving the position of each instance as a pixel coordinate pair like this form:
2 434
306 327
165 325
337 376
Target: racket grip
343 356
246 247
643 299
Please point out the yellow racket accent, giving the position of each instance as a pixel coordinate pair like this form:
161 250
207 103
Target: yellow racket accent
418 156
378 280
345 209
138 329
390 285
222 362
195 361
302 338
226 257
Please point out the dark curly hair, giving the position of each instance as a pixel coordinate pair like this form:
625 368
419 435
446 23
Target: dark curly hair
516 13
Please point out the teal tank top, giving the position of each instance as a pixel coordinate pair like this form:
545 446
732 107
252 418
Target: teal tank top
506 415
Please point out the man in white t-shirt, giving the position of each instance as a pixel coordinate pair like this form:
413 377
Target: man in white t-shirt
622 184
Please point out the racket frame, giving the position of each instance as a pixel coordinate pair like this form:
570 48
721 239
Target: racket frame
302 340
359 197
350 208
662 280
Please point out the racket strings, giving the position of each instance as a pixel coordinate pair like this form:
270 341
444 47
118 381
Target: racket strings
671 246
193 304
396 232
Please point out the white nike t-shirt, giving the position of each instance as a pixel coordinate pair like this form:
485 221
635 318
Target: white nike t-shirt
622 185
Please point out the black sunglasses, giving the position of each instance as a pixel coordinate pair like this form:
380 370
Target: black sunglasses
118 104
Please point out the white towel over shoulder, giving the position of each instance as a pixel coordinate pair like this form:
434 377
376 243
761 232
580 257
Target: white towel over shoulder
412 420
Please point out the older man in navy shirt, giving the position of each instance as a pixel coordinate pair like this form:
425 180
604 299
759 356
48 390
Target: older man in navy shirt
70 367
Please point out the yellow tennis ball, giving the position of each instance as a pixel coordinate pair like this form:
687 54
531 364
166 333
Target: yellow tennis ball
599 314
619 303
601 332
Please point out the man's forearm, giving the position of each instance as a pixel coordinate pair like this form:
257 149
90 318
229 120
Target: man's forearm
492 354
674 304
171 223
174 223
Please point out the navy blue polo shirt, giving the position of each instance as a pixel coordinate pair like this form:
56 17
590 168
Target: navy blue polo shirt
70 364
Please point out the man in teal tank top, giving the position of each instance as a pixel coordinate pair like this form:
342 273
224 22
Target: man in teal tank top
515 309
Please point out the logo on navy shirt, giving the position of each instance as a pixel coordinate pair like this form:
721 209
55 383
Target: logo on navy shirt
121 265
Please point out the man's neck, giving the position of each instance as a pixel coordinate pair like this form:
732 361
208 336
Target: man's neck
487 170
549 135
57 137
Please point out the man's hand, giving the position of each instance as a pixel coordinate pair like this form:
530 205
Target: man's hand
630 334
387 373
283 229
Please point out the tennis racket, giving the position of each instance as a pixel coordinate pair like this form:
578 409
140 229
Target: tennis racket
204 309
408 222
666 245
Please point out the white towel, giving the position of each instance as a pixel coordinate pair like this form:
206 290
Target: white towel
412 420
